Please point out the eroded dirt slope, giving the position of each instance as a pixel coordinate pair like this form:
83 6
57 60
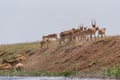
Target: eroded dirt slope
98 55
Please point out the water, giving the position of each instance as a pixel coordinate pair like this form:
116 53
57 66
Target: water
47 78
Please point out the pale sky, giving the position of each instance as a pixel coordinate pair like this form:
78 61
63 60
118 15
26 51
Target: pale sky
29 20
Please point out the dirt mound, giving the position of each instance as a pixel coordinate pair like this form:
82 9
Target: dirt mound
98 55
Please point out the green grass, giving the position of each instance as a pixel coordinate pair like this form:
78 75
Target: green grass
36 73
19 73
113 72
21 48
67 73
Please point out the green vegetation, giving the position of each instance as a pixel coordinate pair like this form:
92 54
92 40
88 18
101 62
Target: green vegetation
36 73
66 73
19 73
113 72
21 48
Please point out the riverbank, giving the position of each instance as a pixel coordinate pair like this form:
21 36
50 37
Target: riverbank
98 58
111 73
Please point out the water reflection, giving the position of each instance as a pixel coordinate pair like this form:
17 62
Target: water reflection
47 78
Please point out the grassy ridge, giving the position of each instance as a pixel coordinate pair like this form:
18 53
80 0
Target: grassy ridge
22 48
27 48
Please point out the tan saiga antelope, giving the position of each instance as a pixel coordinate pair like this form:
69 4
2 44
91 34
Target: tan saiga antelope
102 32
66 37
20 58
19 66
44 42
5 66
76 34
52 36
93 30
80 33
85 34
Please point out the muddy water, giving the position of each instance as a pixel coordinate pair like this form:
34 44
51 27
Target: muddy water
47 78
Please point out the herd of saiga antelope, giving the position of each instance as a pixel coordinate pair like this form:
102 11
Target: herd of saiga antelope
74 35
